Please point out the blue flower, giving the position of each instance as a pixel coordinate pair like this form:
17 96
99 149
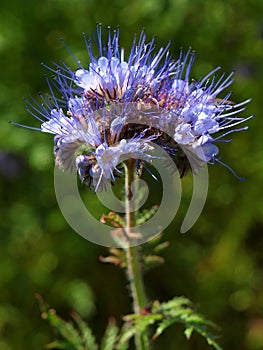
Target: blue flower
113 108
100 168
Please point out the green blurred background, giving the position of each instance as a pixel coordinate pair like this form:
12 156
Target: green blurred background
218 264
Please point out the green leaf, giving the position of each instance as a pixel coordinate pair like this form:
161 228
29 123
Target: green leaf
87 336
162 326
72 338
110 337
65 329
188 332
139 324
180 310
164 315
122 344
146 215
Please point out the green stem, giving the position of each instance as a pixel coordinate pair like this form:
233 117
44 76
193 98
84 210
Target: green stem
134 271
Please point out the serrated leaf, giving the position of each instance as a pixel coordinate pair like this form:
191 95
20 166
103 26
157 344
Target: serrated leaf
65 329
140 324
175 303
162 326
87 336
181 310
164 315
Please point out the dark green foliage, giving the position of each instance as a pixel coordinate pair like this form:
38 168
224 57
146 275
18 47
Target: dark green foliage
158 317
79 336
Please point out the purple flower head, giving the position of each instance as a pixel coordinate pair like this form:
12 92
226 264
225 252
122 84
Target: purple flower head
114 107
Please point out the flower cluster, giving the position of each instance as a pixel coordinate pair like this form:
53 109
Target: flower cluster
118 106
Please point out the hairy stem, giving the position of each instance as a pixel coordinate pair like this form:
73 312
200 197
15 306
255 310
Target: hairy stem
134 270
